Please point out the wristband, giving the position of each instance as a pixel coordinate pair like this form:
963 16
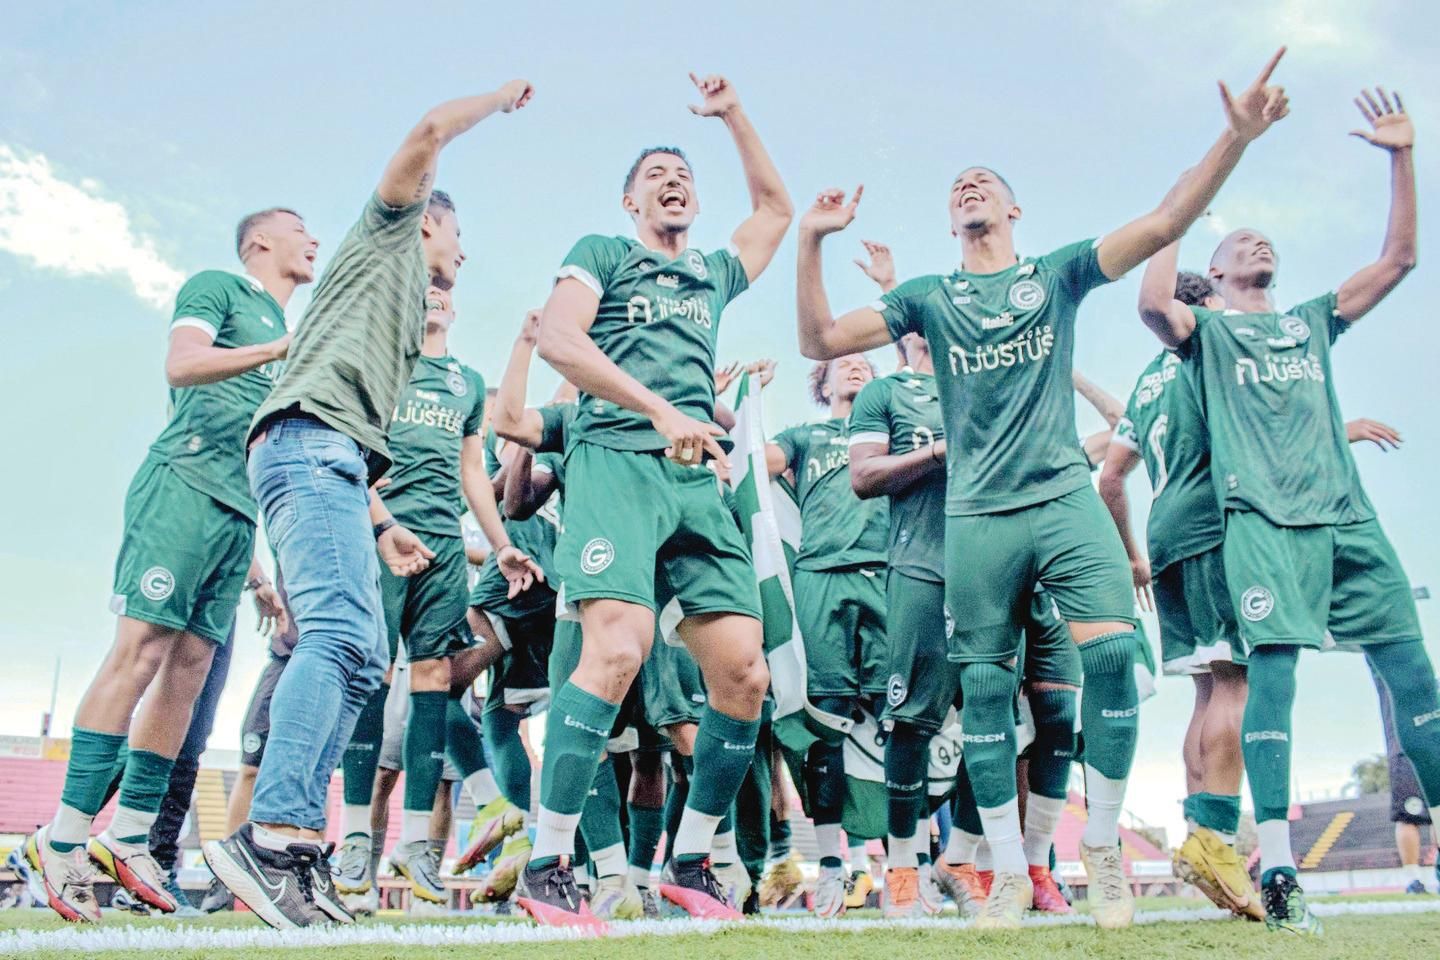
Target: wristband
382 526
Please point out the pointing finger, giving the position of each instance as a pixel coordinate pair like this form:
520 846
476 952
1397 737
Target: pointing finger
1264 77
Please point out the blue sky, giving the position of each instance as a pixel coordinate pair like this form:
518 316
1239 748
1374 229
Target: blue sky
132 139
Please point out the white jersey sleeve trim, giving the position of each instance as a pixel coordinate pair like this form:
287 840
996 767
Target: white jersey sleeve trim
1123 437
873 437
584 276
878 306
198 324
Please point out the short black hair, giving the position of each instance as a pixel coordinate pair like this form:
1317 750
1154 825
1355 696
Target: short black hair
248 223
650 152
439 203
819 375
1192 288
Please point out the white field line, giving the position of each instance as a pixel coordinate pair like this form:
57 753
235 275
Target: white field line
142 938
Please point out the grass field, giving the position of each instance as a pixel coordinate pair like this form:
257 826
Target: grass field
34 933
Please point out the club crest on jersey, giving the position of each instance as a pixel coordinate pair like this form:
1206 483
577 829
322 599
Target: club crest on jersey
1256 604
598 554
696 263
157 583
250 743
1295 327
1026 295
456 383
895 691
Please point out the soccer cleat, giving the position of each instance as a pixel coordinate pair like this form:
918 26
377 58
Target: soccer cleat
691 886
551 898
1416 886
1112 903
365 904
932 901
322 886
68 878
1285 906
500 882
493 822
829 899
781 882
413 862
274 884
126 902
131 866
217 898
961 883
650 902
353 875
986 877
735 881
857 891
18 863
1047 897
902 893
616 898
184 909
1011 894
1214 868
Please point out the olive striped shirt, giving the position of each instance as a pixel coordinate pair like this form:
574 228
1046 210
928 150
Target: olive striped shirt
356 345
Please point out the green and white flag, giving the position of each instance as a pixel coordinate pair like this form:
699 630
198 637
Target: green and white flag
771 518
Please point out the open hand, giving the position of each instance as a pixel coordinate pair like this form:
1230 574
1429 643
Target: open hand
519 570
1390 125
720 97
764 370
1382 435
881 267
724 376
403 552
271 618
1140 573
1258 105
530 328
831 213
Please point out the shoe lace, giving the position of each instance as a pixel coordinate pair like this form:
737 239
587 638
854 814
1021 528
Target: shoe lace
1276 896
302 865
81 879
708 881
1110 874
559 884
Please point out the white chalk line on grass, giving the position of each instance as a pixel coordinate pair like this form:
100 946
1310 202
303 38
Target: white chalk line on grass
140 938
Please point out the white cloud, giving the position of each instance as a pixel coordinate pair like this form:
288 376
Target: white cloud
71 228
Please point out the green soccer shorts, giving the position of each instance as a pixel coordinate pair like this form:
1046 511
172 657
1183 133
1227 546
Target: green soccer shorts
1289 585
841 614
993 561
637 525
1048 651
923 684
1197 618
183 556
521 677
673 692
428 609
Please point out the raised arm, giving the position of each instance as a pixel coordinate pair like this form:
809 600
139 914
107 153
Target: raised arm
759 236
822 336
518 568
1102 400
565 344
1249 115
876 472
1391 131
511 419
410 175
1120 461
1171 320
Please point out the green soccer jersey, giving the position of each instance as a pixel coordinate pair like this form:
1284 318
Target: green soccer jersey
1277 439
902 411
1164 424
657 320
555 426
837 528
443 403
536 535
204 442
361 335
1003 344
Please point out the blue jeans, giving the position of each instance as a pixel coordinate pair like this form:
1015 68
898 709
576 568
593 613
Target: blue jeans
309 481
